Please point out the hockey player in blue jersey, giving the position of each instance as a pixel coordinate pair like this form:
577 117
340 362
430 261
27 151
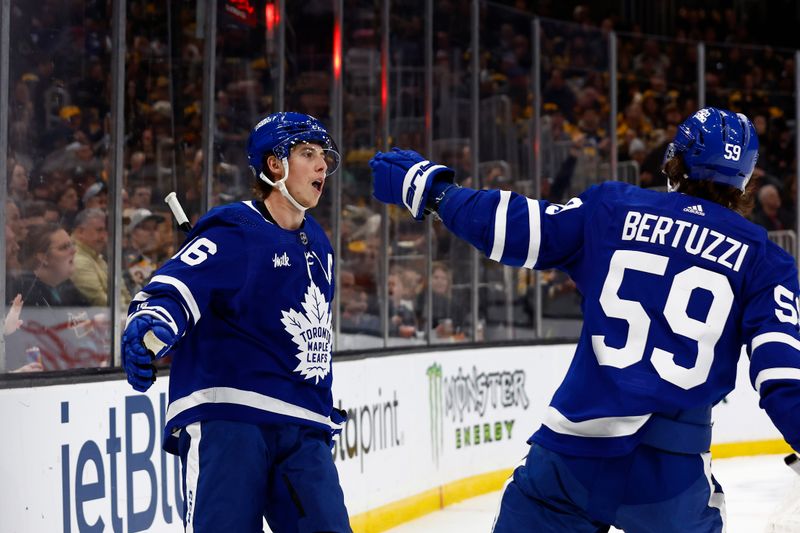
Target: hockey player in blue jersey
674 284
244 308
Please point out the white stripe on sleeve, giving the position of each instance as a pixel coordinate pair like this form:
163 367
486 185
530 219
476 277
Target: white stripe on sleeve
775 373
774 336
500 218
534 224
185 293
140 296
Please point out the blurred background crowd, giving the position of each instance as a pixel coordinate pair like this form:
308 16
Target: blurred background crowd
379 75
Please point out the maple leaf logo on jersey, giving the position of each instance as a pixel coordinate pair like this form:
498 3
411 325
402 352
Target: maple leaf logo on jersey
311 332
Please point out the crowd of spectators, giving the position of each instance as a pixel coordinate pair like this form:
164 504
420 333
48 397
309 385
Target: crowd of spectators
59 153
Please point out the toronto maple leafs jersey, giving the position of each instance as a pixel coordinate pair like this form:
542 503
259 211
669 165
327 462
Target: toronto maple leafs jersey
673 287
252 304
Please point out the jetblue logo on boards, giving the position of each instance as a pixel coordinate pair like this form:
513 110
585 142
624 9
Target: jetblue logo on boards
123 458
695 210
281 260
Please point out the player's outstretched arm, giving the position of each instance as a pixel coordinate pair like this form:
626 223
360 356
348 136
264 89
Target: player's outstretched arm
507 227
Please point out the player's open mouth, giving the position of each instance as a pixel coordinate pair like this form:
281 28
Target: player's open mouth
317 184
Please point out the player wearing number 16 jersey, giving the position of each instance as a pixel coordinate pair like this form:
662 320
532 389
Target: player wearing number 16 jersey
245 310
673 285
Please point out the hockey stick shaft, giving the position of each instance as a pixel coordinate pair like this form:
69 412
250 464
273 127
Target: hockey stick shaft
153 344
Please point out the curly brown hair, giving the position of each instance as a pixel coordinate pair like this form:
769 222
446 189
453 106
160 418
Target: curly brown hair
261 189
725 195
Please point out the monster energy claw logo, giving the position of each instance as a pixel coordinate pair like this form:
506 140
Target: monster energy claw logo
473 402
435 404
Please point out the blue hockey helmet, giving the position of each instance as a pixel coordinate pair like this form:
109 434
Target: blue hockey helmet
716 145
278 132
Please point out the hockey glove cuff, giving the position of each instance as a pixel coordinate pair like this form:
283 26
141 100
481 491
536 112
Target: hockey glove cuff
404 177
339 417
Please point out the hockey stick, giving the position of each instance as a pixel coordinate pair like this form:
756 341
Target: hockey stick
793 462
178 212
150 341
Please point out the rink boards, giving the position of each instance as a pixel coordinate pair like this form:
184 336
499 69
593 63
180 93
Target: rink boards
424 430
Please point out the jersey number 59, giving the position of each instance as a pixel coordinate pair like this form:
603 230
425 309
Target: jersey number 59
705 332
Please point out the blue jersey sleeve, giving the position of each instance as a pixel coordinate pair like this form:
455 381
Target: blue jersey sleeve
212 262
518 231
770 327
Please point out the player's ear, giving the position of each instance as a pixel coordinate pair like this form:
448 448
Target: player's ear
275 167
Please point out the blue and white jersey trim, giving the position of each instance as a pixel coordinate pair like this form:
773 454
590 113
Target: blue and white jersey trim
775 336
159 313
774 373
501 221
610 426
535 225
229 395
183 290
500 217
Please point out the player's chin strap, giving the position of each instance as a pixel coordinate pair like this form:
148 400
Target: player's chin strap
281 185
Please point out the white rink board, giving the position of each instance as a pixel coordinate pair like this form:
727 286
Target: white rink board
399 442
501 391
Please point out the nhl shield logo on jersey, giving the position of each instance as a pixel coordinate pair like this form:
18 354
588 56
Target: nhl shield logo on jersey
311 332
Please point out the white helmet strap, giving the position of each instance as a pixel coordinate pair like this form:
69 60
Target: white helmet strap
281 185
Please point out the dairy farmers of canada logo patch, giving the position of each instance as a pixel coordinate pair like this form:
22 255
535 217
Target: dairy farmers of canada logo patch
311 332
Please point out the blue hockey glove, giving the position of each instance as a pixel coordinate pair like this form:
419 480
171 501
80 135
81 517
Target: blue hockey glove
338 416
136 357
404 177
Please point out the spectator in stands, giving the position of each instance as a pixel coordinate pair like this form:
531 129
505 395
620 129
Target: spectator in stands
634 121
637 151
91 269
32 214
166 236
95 196
139 259
141 170
595 136
768 211
15 222
13 267
48 263
141 196
402 318
650 167
18 183
651 61
557 91
448 313
67 201
354 317
51 212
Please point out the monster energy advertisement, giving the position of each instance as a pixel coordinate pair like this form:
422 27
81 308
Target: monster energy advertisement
472 407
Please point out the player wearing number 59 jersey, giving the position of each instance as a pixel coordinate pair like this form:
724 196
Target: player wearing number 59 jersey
673 285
